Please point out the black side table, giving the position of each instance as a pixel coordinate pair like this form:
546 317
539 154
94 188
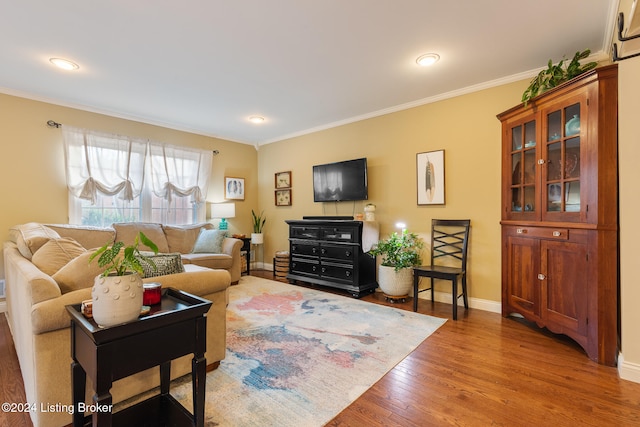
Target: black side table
246 248
175 327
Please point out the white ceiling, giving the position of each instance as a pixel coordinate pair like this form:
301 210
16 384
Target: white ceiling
205 66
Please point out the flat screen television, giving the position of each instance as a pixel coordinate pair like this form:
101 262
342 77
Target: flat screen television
340 181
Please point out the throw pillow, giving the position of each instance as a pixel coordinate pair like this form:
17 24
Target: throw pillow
30 237
165 264
182 238
78 273
56 253
127 231
209 241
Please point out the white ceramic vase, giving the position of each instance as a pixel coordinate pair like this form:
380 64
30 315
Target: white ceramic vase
116 299
395 283
257 238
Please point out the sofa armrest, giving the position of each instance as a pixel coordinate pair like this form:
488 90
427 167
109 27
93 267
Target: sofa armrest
231 245
195 280
26 279
51 315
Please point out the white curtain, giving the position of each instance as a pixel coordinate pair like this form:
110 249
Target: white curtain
179 171
110 164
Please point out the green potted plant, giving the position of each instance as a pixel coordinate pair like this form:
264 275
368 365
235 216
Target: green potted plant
399 254
553 75
258 221
117 291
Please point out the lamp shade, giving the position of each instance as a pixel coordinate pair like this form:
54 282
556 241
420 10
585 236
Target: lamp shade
223 210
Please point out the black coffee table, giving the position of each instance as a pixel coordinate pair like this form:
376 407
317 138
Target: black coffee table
175 327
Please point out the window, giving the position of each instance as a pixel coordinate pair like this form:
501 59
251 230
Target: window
112 178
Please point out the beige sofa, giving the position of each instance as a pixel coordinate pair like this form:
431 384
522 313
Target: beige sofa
46 269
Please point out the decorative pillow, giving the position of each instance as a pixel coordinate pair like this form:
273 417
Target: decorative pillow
78 273
182 238
56 253
126 232
165 264
30 237
209 241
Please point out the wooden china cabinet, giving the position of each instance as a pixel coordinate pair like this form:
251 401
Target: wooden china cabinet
560 212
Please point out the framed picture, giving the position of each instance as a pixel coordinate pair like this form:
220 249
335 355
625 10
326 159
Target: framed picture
283 197
430 177
283 179
233 188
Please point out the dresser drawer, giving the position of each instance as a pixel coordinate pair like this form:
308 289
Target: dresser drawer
341 272
304 266
343 253
301 247
540 232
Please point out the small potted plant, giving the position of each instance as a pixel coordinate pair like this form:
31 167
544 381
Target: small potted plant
400 253
117 291
258 221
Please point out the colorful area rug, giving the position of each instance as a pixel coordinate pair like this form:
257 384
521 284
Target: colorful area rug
297 357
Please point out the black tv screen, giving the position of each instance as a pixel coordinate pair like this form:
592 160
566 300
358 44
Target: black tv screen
340 181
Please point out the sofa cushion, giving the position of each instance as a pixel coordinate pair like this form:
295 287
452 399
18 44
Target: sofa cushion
209 241
87 236
78 273
165 264
30 237
182 238
126 232
56 253
214 261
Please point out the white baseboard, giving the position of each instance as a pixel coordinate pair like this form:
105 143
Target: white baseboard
627 370
478 303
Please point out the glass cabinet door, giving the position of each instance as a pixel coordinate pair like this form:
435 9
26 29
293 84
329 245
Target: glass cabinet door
561 179
523 168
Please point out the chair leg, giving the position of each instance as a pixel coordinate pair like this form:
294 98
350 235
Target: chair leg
464 291
432 288
416 281
454 286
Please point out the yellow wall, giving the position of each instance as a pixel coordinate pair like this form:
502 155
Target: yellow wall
32 161
467 129
629 156
32 175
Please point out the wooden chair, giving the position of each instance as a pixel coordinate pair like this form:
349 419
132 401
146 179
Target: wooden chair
449 243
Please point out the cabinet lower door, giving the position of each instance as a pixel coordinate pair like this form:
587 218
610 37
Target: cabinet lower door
565 286
522 287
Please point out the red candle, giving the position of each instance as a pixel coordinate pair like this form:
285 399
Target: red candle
152 293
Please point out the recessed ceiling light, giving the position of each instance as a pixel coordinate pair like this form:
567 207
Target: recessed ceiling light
427 59
256 119
64 64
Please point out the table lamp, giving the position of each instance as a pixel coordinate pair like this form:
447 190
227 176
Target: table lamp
223 211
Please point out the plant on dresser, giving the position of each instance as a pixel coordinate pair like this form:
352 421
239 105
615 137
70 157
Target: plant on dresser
559 211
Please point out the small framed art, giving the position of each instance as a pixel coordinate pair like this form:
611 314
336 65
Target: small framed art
283 179
233 188
430 176
283 197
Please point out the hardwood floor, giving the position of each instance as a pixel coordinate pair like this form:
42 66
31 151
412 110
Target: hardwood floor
480 370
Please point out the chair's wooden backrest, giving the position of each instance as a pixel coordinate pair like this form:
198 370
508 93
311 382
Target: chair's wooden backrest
449 242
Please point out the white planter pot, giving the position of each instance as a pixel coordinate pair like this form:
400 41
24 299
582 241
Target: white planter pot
116 299
257 238
395 283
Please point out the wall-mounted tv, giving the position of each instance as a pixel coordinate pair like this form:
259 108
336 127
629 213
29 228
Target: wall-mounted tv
340 181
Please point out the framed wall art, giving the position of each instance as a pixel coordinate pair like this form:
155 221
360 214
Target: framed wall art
430 177
283 197
233 188
283 179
